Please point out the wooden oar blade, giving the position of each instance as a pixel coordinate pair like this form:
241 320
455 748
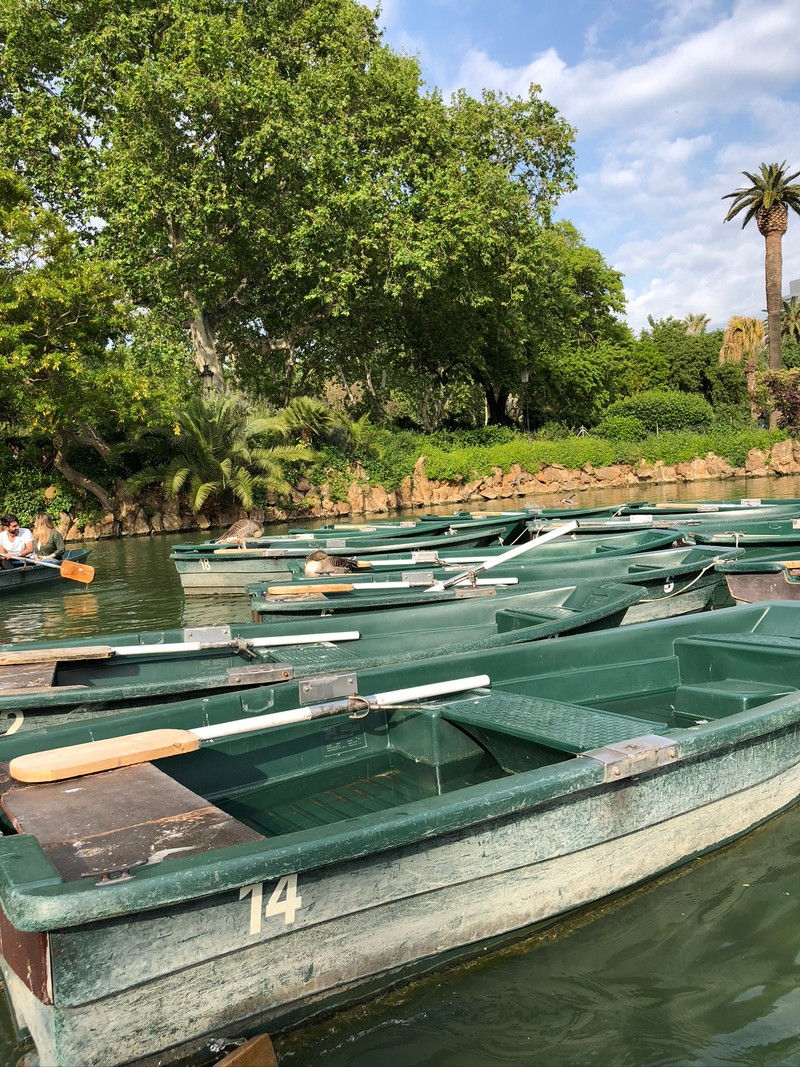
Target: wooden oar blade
106 755
78 572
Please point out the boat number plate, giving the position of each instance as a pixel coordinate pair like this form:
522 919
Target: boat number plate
283 900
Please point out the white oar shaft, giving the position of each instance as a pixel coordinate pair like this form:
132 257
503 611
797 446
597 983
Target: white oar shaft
430 585
298 715
568 527
253 642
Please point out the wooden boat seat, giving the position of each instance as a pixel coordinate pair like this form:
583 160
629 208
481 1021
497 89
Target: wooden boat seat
104 824
565 727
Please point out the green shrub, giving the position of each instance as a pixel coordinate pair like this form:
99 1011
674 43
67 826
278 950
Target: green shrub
621 428
663 409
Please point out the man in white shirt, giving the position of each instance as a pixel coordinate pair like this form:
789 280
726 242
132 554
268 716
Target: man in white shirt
15 540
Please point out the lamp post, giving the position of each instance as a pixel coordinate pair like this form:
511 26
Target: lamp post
524 377
207 381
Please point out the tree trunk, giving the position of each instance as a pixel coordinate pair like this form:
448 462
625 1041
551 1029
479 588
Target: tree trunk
496 405
61 440
202 332
206 356
773 274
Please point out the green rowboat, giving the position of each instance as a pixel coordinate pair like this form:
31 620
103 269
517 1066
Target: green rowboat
284 865
21 578
46 682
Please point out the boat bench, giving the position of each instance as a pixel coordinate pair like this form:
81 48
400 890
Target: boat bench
726 657
552 723
102 825
509 619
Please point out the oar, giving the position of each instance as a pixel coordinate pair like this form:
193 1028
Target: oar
77 652
299 590
56 764
512 553
78 572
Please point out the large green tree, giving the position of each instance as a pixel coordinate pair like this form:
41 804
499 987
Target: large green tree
767 199
239 156
69 367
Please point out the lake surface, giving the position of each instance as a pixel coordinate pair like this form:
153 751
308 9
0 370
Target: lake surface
701 967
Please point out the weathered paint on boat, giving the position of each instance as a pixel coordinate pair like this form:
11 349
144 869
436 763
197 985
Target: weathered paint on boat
19 579
351 849
227 570
105 682
751 581
479 530
675 580
778 533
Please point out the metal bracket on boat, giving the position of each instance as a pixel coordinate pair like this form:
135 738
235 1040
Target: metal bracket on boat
115 874
207 633
424 555
463 593
624 759
417 577
331 687
261 672
335 542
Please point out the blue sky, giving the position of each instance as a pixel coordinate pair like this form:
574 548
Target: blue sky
671 99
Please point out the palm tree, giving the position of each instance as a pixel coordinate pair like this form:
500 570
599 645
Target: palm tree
305 418
216 449
744 342
790 320
767 199
696 322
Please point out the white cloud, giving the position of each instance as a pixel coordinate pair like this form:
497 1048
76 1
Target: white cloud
668 115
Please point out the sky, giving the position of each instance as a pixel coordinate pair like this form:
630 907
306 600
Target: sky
671 101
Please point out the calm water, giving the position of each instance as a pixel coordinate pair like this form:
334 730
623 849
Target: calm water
700 968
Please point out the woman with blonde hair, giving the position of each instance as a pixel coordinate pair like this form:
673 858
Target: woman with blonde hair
47 541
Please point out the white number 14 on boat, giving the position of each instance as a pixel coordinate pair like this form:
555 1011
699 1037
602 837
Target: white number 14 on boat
284 901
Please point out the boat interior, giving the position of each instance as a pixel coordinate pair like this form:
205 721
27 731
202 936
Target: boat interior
306 776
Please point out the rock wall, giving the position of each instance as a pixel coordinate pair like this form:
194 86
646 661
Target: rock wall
314 502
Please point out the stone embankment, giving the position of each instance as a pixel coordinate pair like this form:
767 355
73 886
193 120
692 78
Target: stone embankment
419 491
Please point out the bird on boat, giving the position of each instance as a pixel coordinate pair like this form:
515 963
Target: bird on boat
319 563
240 531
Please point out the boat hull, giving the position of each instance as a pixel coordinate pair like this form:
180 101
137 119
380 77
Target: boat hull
171 978
365 846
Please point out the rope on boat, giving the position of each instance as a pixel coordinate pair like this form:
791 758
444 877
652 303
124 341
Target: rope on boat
679 592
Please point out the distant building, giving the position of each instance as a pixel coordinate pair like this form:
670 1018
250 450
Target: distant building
794 287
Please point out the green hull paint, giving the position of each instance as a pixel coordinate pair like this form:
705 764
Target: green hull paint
456 624
387 841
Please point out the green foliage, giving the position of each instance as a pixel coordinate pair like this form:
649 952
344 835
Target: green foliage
621 428
216 450
784 387
661 410
687 361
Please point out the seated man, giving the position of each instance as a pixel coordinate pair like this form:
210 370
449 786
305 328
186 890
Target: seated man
15 540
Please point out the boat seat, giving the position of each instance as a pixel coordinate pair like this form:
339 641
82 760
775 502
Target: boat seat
105 824
722 697
509 619
321 655
775 641
565 727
